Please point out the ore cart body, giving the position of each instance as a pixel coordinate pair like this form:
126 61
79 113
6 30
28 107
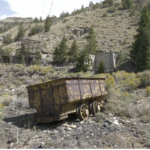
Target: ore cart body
56 99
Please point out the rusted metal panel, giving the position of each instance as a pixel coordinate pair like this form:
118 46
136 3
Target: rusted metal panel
103 87
34 98
84 89
59 97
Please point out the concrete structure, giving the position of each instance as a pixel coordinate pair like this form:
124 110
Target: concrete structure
6 58
91 62
109 58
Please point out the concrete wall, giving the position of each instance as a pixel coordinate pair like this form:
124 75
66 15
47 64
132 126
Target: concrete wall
109 59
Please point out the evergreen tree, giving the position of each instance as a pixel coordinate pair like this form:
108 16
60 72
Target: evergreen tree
138 3
62 15
37 61
91 3
101 68
66 14
92 46
83 61
73 54
109 2
47 24
127 4
20 34
41 19
7 40
21 54
35 30
60 53
140 53
82 8
36 20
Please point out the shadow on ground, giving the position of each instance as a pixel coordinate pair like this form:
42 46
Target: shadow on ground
29 121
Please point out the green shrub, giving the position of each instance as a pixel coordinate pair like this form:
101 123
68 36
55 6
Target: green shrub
105 5
127 81
111 10
101 68
127 4
5 51
114 14
148 91
97 5
144 78
144 115
132 13
20 33
65 20
7 40
5 100
119 109
34 69
39 69
145 118
120 8
124 41
47 24
100 117
104 15
117 4
147 144
109 2
121 58
35 30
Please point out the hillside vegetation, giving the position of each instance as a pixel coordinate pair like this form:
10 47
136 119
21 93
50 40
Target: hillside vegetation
125 116
114 28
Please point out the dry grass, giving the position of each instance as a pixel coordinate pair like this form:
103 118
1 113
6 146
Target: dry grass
5 99
1 111
148 91
106 28
144 77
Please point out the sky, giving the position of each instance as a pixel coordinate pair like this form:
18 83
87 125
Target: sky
37 8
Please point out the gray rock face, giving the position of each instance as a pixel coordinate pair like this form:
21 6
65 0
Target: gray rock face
80 31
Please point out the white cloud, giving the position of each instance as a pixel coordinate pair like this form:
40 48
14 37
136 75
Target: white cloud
3 17
37 8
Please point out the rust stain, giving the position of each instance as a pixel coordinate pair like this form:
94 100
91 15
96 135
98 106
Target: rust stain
60 97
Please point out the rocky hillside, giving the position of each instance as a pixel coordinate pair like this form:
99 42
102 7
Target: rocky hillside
123 121
114 29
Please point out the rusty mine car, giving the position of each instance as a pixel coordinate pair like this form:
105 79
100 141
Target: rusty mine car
55 100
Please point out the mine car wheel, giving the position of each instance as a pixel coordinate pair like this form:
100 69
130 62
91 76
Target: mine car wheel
94 107
83 112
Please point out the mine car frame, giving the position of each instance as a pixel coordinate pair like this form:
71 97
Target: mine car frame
55 100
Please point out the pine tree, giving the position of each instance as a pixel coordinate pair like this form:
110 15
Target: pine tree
83 61
73 54
82 8
60 53
20 34
101 68
140 53
36 20
37 61
92 46
41 19
127 4
91 3
47 24
110 2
